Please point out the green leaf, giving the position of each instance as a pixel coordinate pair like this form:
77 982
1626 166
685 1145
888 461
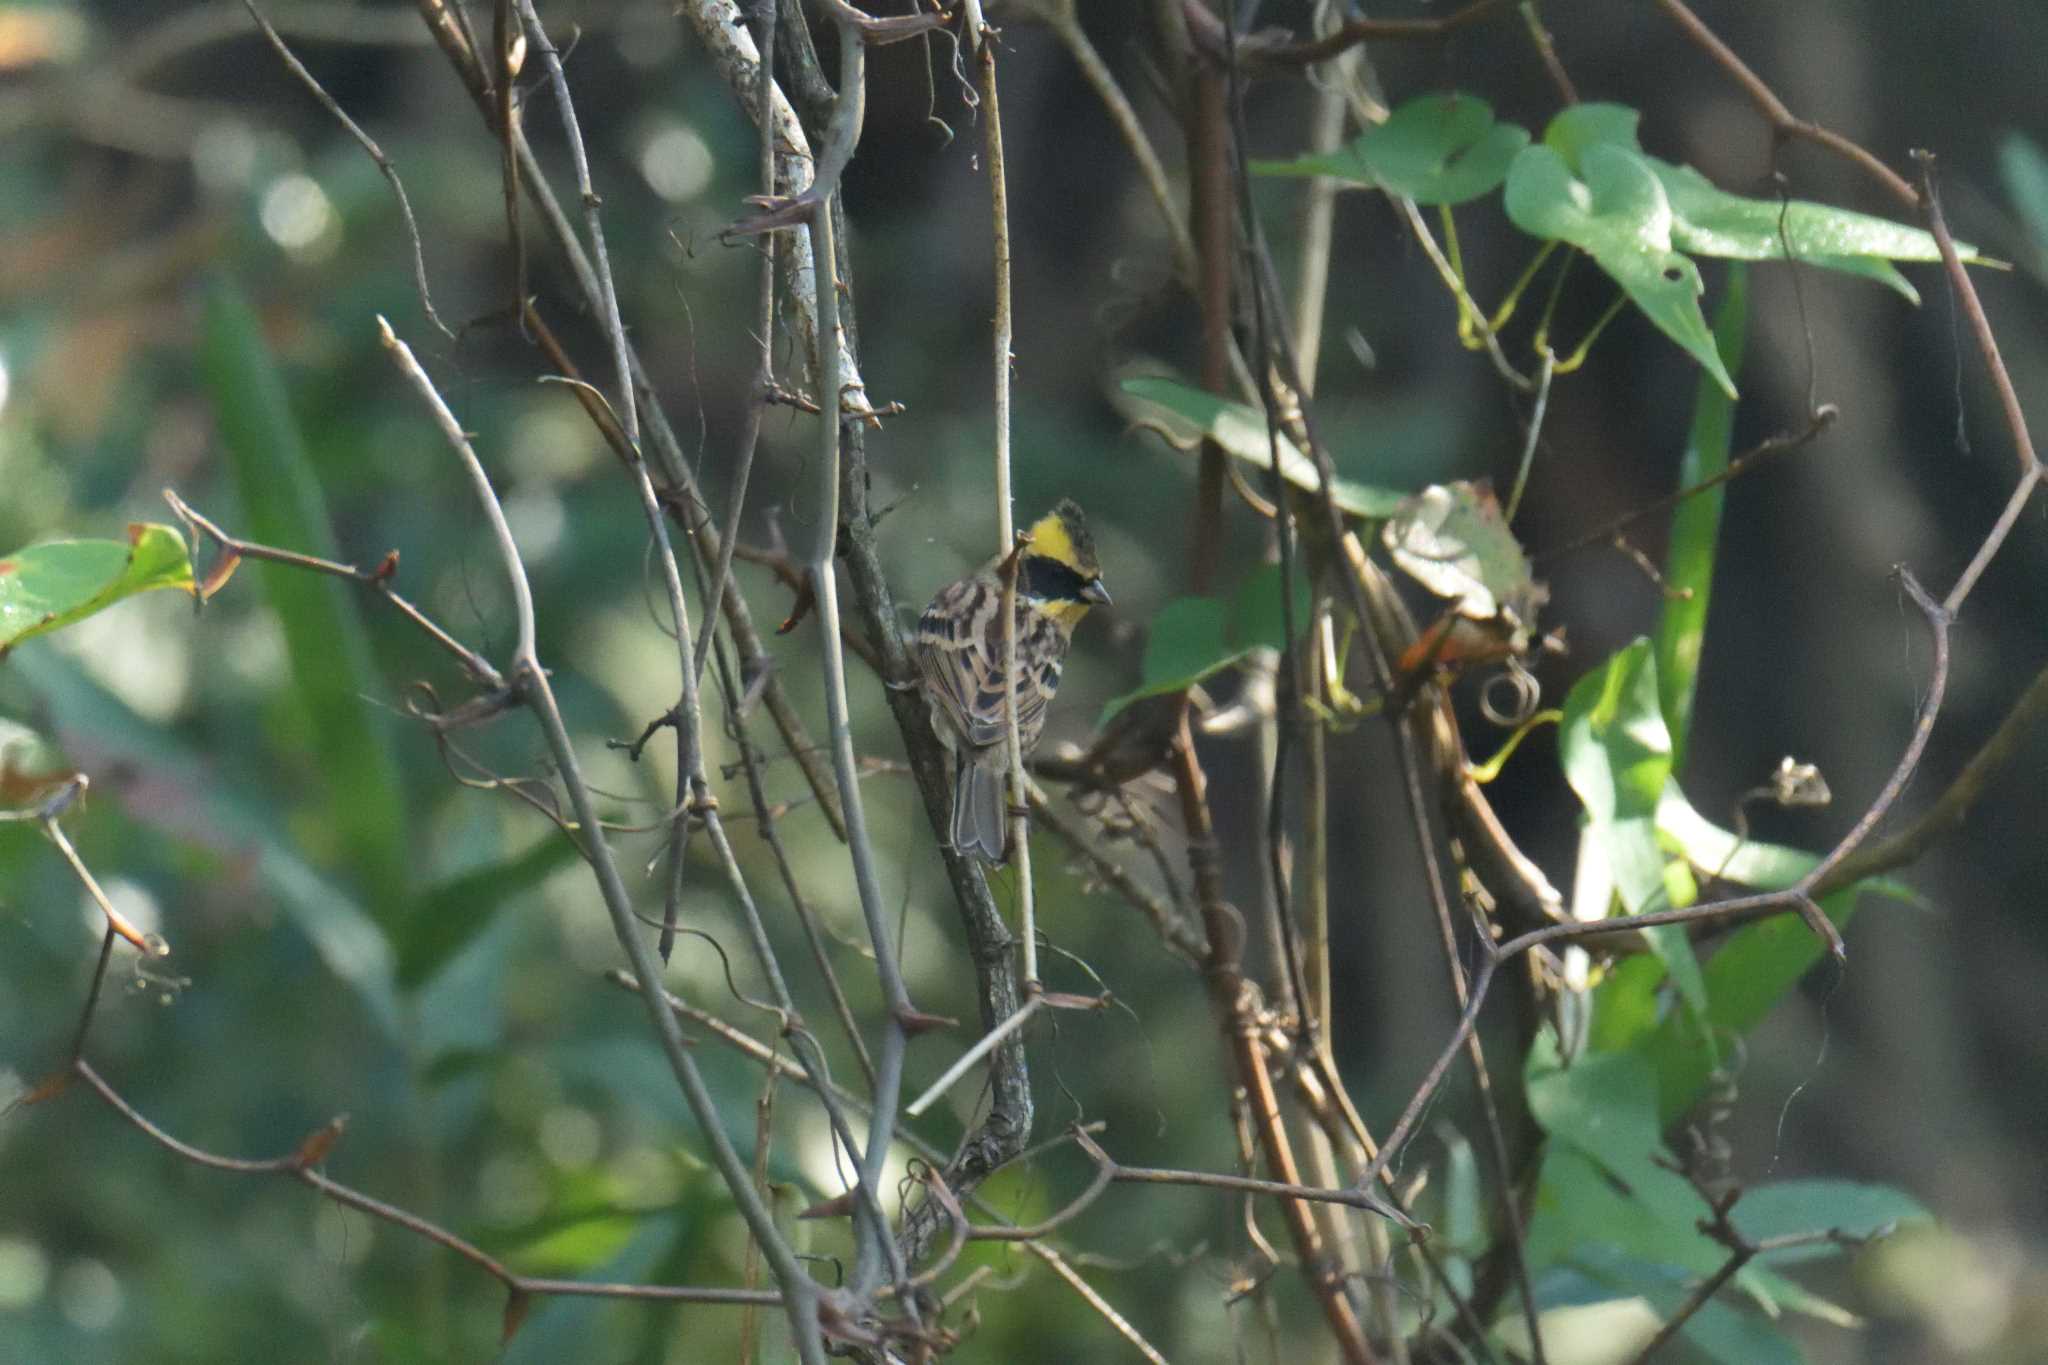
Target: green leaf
1625 1003
1256 618
1441 148
1619 215
1792 1207
1709 221
48 586
1580 1204
1188 642
563 1326
447 917
1745 979
1604 1177
282 506
1616 754
1589 183
1722 854
1193 637
1696 526
1184 416
1605 1104
1591 124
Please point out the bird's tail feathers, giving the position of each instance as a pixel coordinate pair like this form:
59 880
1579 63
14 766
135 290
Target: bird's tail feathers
978 809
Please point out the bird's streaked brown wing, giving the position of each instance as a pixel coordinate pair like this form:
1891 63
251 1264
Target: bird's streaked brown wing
953 639
960 640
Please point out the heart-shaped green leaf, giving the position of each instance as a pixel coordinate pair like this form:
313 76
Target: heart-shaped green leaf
1590 125
1435 149
1620 216
1441 149
48 586
1708 221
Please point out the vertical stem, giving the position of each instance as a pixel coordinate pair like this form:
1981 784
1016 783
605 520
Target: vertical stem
1229 996
875 1244
1018 798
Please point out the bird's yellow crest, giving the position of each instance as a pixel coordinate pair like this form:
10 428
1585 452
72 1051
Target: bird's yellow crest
1062 534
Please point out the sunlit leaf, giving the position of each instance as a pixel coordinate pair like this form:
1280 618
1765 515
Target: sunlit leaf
1591 124
1184 416
1722 854
1435 149
48 586
1710 221
1619 215
1452 539
1696 526
1616 754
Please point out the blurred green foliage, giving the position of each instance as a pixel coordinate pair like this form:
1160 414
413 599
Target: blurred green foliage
360 924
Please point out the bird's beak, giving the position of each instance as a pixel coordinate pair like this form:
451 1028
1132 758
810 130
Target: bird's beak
1095 593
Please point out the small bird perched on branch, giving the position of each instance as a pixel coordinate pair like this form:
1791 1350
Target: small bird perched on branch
960 651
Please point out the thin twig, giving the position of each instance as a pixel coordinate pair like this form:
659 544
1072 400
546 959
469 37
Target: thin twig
875 1247
2032 471
1065 24
982 1047
378 579
1784 124
1818 421
1208 32
301 1165
799 1294
376 154
1546 366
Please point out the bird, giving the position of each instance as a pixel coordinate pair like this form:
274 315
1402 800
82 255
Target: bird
959 649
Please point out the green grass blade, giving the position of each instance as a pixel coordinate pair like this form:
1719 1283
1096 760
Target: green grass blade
330 657
1696 525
